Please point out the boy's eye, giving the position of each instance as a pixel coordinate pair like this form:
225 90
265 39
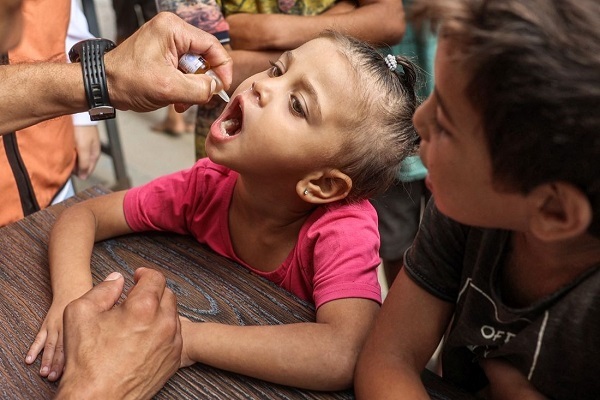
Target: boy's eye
438 127
275 70
296 106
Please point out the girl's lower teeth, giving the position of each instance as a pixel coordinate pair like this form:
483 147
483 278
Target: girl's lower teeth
230 125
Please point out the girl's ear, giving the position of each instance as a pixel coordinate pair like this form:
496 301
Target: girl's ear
324 186
558 211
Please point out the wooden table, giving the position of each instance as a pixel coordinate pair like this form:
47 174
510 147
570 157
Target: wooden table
208 288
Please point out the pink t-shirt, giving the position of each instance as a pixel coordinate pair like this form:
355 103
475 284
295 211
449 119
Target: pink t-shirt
336 255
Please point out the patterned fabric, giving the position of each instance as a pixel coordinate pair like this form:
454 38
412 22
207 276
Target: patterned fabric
204 14
297 7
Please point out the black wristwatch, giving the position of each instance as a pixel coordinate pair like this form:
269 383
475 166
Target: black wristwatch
91 55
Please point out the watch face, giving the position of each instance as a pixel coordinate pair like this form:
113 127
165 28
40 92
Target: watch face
102 112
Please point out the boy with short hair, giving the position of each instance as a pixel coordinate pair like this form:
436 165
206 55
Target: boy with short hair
506 262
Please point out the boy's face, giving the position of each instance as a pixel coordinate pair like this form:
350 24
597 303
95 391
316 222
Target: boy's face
11 24
454 149
290 119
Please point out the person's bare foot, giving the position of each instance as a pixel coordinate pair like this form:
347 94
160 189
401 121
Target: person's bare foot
173 128
175 124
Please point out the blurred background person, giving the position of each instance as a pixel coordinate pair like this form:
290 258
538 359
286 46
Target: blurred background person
36 163
131 14
399 208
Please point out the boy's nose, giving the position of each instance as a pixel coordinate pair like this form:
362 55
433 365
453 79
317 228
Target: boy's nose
420 120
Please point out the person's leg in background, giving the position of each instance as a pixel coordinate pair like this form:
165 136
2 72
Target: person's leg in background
206 15
128 20
401 205
175 123
148 9
204 119
399 213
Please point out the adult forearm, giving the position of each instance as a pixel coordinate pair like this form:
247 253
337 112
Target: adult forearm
37 92
371 23
138 80
380 23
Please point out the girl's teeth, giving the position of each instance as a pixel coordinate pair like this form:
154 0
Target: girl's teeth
230 126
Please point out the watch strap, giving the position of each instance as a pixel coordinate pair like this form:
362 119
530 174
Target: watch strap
90 53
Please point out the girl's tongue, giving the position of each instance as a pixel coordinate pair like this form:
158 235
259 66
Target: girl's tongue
231 123
230 127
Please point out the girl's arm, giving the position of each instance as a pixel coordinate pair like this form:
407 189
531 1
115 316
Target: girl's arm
317 356
407 332
70 249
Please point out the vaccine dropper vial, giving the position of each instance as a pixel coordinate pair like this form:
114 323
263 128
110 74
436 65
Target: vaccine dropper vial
195 64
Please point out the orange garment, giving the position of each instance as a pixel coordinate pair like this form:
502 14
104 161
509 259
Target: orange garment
41 157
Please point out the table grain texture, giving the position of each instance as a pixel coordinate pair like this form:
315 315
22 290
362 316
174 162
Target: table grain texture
208 288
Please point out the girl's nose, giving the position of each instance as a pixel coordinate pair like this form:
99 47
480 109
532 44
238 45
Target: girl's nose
256 89
263 89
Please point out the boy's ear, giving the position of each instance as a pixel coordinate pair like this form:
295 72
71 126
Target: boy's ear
559 211
324 186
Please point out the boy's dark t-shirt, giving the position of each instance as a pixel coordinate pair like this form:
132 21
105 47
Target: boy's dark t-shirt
554 342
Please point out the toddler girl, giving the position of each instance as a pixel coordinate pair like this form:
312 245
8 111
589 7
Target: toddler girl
283 192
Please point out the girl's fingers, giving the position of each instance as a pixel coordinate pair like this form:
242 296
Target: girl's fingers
37 346
48 356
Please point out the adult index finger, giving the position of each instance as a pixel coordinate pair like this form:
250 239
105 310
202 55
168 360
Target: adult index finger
148 281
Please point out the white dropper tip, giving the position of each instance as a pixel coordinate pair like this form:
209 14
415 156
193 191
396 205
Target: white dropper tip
222 94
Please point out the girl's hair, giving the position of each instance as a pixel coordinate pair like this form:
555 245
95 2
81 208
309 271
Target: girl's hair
381 134
534 71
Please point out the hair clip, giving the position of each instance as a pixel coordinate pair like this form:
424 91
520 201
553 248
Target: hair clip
391 62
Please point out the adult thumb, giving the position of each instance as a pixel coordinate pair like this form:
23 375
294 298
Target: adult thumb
106 294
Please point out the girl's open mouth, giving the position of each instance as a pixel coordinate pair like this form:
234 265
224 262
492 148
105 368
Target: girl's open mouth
231 120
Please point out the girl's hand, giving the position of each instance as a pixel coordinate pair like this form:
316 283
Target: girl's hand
50 339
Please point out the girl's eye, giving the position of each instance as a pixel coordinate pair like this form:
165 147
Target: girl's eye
295 103
275 70
296 107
